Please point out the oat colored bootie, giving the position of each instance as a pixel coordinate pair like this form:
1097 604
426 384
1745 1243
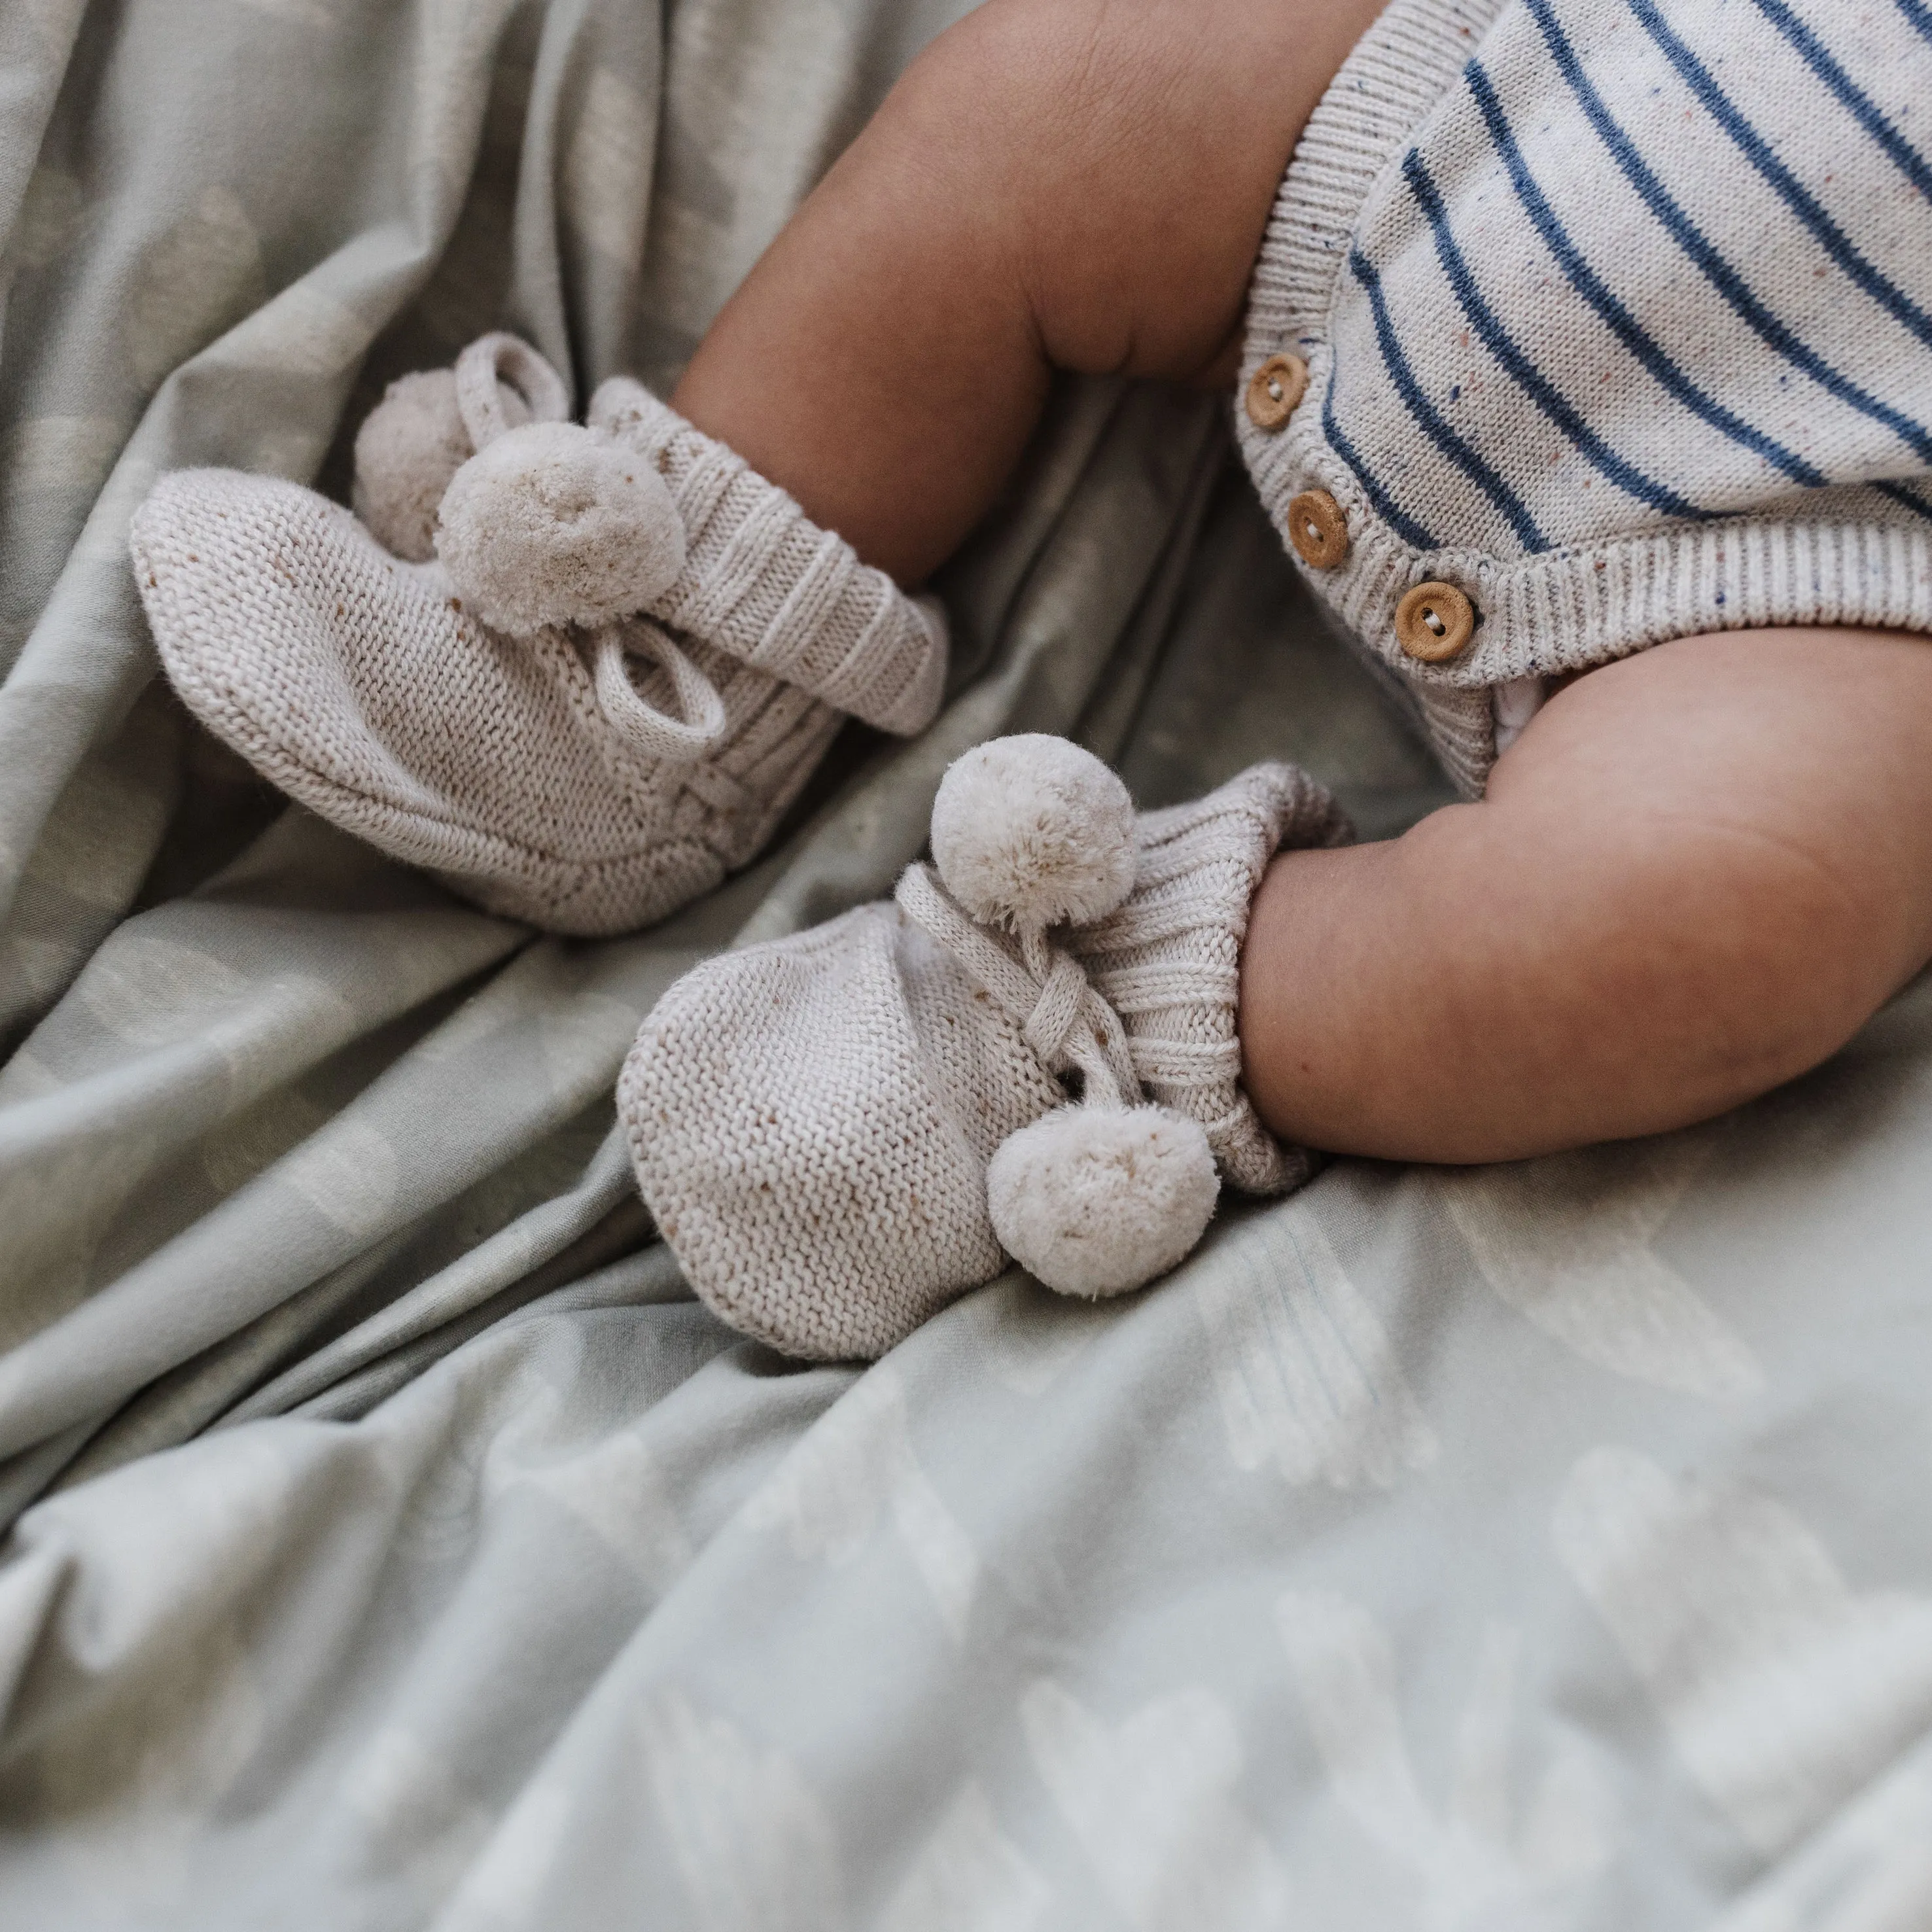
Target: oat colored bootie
578 671
1029 1051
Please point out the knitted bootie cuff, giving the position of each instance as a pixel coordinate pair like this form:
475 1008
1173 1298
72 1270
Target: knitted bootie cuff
761 581
1169 960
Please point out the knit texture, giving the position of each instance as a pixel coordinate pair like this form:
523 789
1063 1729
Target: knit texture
1169 961
553 524
588 783
810 1122
811 1119
1618 315
764 583
409 447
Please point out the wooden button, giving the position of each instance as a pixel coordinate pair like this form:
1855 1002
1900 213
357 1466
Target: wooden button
1434 622
1317 529
1274 389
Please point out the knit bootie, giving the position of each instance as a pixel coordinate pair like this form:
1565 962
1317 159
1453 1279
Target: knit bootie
1030 1051
578 672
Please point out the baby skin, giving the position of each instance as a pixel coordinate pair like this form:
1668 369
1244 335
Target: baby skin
1693 876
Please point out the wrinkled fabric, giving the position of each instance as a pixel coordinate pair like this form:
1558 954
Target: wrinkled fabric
399 1543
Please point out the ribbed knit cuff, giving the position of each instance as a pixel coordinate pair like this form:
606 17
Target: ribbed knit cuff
763 583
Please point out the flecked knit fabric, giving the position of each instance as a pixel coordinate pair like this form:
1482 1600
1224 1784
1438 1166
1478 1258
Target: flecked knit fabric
1169 961
764 583
1617 317
521 770
811 1119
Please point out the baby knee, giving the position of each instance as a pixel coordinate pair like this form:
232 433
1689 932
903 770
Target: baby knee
1130 158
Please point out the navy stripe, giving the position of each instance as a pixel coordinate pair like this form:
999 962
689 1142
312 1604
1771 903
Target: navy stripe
1900 494
1390 512
1628 331
1722 276
1818 57
1470 461
1829 235
1919 14
1624 474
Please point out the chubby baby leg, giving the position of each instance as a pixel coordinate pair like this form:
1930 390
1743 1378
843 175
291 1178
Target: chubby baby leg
1694 876
1080 184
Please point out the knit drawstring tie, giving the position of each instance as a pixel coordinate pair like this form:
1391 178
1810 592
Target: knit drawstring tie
1040 987
1032 834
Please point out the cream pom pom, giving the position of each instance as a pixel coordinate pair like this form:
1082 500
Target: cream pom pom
556 524
1094 1203
409 447
1030 830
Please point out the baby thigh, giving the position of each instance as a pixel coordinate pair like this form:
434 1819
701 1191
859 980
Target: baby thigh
1696 874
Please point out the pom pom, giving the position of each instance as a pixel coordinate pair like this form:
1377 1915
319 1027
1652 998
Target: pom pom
1095 1203
555 524
409 446
1030 831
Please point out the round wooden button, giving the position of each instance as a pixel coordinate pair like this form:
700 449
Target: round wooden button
1434 622
1274 389
1317 529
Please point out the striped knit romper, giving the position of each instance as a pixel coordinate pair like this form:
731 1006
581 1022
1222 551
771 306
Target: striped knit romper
1581 325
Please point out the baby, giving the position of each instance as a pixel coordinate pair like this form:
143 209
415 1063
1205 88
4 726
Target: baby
1582 354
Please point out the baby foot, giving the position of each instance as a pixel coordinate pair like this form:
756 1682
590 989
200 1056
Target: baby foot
595 698
840 1132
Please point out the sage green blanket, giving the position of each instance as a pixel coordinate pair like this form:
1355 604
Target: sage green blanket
1537 1546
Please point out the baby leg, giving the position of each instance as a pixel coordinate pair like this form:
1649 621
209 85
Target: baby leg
1068 184
1695 875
